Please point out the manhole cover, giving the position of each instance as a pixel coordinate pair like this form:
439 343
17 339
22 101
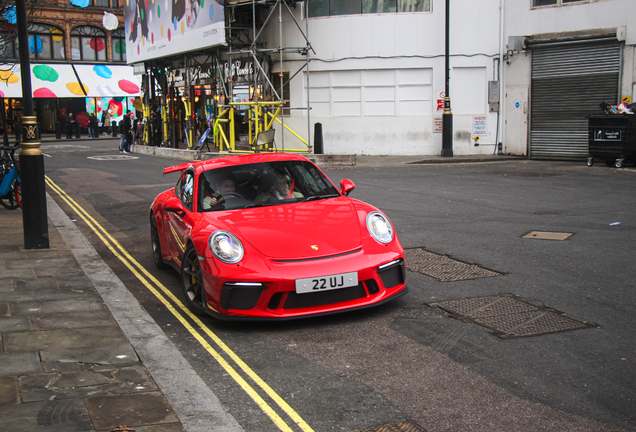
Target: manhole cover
547 235
401 427
510 317
443 268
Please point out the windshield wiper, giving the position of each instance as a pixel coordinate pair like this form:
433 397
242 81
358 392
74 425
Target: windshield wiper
263 204
317 197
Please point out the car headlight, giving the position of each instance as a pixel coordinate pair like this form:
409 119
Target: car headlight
226 247
379 227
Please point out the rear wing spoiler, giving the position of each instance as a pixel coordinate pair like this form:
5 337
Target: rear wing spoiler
181 167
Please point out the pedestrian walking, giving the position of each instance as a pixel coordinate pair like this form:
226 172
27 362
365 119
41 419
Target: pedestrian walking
106 122
93 131
122 137
70 123
128 130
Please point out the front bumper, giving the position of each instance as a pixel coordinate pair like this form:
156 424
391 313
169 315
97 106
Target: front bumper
271 294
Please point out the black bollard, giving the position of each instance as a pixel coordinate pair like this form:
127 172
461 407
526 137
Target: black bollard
78 131
114 126
58 130
34 215
318 138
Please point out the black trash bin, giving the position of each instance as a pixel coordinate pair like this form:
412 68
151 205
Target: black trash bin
612 138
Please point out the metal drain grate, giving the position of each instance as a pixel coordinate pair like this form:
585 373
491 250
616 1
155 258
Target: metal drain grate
509 317
401 427
443 268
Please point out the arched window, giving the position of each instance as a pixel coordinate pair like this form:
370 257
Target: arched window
46 42
119 45
88 43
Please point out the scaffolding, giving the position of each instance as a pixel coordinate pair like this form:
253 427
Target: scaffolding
247 22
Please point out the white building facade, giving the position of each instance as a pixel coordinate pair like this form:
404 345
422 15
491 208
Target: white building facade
376 75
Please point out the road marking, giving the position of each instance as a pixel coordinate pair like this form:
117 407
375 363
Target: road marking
64 146
111 157
137 269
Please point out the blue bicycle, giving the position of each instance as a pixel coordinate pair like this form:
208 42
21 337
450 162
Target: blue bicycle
10 190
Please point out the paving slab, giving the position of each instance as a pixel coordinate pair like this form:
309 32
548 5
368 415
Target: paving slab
60 306
104 382
15 323
67 415
71 320
9 391
108 412
58 340
20 363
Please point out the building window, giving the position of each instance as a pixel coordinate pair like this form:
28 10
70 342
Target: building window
46 42
318 8
106 3
538 3
119 45
371 93
88 43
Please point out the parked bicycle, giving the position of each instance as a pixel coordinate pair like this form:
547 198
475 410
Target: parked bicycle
10 190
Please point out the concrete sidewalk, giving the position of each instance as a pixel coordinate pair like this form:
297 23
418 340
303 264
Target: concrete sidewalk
321 159
77 351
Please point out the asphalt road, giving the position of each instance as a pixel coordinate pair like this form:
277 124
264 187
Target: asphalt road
408 361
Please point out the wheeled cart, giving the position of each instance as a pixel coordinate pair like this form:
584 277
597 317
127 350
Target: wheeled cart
612 138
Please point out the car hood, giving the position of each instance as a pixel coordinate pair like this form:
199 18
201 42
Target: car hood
297 230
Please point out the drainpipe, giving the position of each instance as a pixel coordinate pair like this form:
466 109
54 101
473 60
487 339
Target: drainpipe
502 77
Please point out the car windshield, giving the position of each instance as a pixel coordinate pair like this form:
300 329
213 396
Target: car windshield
262 184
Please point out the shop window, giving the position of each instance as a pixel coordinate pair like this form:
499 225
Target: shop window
119 45
88 44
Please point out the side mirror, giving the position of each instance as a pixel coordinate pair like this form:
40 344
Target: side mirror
346 186
175 205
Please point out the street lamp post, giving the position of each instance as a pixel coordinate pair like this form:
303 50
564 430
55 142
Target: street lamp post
34 215
447 116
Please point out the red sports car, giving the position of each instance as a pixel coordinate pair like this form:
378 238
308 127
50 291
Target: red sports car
268 236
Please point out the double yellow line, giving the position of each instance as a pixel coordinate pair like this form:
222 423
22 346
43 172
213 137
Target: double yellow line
180 311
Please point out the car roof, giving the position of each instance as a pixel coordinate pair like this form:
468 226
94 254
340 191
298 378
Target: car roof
225 161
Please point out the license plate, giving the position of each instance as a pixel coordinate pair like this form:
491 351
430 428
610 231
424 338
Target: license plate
325 283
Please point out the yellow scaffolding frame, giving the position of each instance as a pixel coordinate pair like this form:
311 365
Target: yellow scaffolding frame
259 121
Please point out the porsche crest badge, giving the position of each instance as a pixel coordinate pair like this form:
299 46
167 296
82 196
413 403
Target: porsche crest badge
314 247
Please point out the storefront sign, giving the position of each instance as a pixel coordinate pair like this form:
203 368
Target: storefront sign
239 70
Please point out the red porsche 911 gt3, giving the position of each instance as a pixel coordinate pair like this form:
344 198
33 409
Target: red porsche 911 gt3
268 236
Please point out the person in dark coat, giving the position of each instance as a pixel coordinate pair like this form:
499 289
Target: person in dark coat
70 122
92 126
128 130
156 130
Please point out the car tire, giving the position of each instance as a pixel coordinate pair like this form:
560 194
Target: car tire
192 281
156 243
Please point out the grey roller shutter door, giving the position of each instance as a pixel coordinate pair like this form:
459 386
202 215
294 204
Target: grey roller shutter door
569 81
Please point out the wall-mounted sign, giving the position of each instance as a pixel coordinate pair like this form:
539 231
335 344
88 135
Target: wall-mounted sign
480 126
438 124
